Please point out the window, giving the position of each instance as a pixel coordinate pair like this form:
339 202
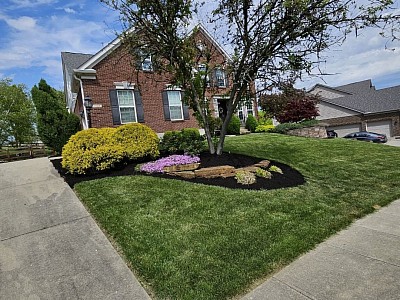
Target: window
147 64
175 105
249 107
127 109
203 69
220 78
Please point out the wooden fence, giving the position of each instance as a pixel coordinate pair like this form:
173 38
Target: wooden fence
8 153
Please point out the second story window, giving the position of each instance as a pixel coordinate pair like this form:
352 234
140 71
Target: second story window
220 78
147 64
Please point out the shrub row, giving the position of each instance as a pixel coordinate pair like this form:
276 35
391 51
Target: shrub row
101 149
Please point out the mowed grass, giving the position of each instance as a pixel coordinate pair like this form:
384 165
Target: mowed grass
191 241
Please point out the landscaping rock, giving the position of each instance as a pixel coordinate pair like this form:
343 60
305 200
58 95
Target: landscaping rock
262 164
251 169
183 174
213 172
179 168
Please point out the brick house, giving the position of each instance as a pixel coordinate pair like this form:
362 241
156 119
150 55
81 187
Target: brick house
125 91
359 107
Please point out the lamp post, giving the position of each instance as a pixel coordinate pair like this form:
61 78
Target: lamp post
89 105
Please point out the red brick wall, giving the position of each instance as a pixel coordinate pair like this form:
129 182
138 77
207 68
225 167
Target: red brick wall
117 67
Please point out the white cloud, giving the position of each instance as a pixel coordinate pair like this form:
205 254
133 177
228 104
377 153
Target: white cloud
359 58
22 23
69 10
31 3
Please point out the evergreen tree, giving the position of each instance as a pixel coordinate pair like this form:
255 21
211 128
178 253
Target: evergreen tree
55 125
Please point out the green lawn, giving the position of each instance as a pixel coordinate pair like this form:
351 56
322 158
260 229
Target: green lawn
190 241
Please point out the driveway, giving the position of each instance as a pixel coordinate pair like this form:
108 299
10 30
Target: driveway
393 142
50 247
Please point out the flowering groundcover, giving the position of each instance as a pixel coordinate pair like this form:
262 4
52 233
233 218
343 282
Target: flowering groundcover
172 160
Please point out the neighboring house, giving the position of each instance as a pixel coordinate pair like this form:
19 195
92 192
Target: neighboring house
125 91
359 106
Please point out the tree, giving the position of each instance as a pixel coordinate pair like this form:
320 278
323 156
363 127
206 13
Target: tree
290 105
272 40
55 125
17 114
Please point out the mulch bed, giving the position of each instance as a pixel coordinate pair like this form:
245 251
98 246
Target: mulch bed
289 178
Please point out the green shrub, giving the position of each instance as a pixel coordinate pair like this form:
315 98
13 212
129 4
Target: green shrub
188 141
245 177
264 128
263 173
192 142
285 127
309 123
137 140
95 149
171 141
275 169
234 126
263 119
251 123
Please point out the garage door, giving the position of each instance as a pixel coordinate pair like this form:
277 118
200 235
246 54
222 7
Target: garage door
345 129
380 127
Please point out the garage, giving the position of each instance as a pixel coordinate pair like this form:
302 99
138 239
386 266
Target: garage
384 126
342 130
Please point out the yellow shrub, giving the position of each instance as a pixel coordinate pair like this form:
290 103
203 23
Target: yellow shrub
138 140
100 149
91 150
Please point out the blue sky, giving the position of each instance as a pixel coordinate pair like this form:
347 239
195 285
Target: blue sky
33 33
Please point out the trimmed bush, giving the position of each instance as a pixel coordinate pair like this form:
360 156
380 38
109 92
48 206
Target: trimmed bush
251 123
91 150
138 141
94 150
234 126
285 127
264 128
188 141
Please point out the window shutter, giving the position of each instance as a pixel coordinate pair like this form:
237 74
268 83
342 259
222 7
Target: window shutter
139 106
186 114
213 81
226 80
115 107
167 115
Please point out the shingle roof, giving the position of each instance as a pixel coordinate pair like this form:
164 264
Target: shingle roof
364 86
368 100
74 60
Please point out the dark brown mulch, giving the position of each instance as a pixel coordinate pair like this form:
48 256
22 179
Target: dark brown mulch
289 178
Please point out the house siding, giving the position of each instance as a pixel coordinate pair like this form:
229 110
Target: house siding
329 111
326 93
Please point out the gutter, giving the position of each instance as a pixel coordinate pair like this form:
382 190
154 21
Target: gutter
85 124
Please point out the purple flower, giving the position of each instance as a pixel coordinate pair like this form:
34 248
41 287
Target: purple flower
173 160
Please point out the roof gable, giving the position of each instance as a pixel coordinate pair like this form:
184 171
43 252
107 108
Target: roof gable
112 46
72 61
364 86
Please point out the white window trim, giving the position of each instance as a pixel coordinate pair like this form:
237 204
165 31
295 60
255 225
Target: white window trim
124 85
134 105
172 89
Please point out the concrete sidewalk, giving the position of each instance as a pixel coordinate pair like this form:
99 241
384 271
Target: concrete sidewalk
50 247
362 262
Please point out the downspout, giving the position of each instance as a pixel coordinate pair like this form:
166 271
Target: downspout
85 124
